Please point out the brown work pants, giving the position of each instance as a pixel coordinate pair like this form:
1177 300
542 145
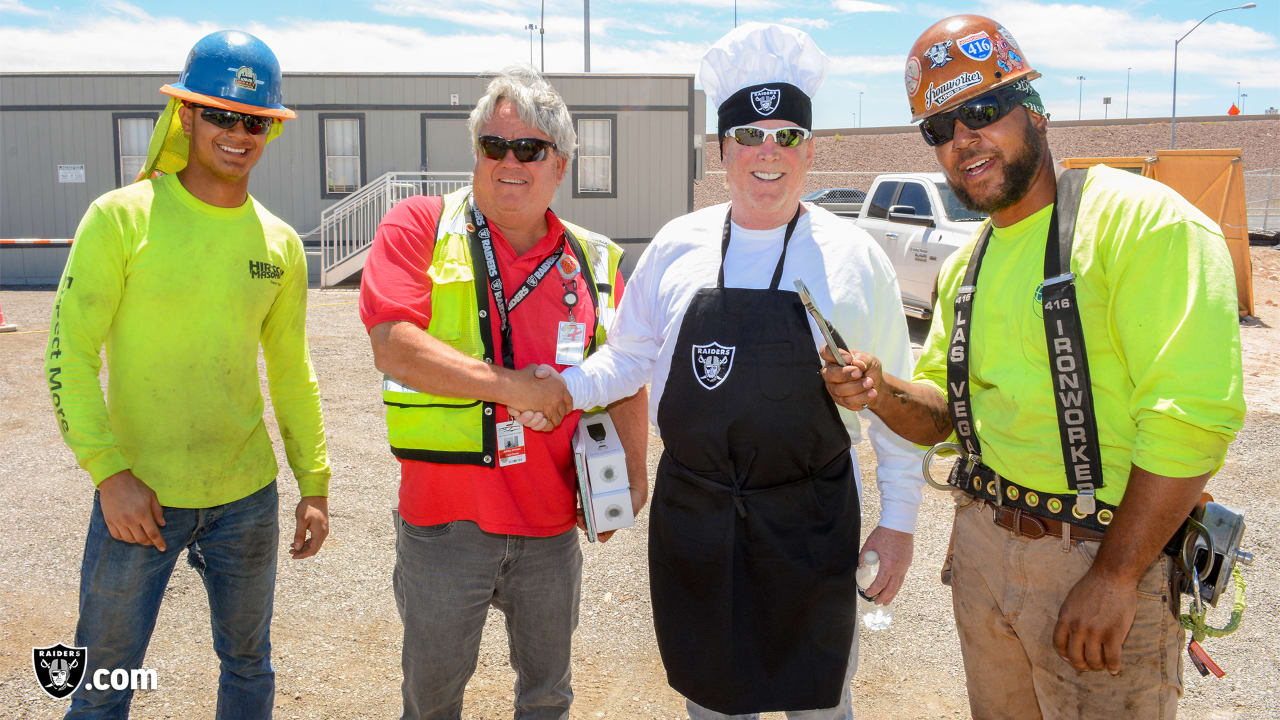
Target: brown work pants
1006 592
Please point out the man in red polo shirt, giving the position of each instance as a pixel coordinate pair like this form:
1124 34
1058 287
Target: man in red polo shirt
458 292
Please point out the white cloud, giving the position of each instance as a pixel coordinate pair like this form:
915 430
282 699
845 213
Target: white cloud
865 65
818 23
1080 38
16 7
861 6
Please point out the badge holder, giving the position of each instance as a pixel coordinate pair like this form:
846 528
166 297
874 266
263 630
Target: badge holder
603 485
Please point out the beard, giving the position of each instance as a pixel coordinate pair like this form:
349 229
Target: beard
1018 173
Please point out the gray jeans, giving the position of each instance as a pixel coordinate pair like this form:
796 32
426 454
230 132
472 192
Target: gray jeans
842 711
446 578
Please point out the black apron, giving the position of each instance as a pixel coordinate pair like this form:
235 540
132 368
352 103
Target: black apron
753 531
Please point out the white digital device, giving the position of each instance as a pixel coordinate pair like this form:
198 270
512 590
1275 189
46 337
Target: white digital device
602 475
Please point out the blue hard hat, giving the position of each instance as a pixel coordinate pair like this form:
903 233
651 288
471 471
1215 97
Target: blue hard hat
232 70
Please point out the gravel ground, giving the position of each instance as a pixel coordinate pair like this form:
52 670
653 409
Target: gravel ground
337 635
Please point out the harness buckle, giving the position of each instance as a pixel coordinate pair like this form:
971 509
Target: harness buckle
1085 504
1059 279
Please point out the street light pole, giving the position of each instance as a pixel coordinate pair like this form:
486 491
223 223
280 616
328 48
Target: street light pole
542 36
1237 93
530 27
1173 114
1243 97
859 108
1080 100
1127 73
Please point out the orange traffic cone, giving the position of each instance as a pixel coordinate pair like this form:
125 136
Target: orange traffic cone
4 326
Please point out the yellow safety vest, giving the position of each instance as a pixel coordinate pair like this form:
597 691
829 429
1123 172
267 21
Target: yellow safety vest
444 429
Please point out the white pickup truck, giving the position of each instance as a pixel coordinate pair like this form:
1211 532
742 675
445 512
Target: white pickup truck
919 222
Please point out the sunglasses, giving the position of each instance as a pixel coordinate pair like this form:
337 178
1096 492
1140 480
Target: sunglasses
751 135
976 114
526 149
227 119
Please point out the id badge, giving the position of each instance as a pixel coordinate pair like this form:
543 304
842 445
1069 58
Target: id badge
571 340
510 443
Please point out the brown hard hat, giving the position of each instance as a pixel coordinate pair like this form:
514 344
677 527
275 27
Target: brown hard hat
959 58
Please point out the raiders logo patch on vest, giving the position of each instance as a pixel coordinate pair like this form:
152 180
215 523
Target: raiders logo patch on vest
765 100
711 364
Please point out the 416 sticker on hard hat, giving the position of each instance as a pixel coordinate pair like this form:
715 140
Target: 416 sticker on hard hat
976 46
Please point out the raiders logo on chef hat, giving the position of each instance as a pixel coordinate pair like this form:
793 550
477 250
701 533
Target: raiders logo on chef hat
762 72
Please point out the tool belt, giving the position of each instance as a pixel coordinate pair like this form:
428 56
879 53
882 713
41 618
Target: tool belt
1032 513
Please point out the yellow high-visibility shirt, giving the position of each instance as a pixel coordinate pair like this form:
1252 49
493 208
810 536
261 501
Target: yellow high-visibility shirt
183 293
1157 301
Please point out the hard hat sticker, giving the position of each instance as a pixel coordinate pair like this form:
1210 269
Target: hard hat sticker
913 75
938 55
947 90
246 77
976 46
1007 56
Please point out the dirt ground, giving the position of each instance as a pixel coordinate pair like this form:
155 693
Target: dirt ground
336 632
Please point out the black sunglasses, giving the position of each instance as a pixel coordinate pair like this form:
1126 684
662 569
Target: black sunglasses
526 149
227 119
976 114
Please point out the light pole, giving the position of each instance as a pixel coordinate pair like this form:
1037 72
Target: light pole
1237 93
1173 114
1080 100
542 36
859 108
1127 73
1243 97
530 27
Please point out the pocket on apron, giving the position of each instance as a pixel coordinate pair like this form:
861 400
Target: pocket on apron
770 359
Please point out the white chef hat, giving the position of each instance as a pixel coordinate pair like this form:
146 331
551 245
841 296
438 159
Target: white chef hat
763 71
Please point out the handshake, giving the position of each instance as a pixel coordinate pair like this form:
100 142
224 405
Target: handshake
539 399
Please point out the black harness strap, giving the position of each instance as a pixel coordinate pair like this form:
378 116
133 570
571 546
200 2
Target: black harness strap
1073 393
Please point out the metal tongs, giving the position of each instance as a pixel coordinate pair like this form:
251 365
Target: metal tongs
835 343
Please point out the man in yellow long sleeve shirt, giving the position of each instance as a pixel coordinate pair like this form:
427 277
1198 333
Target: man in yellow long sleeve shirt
1092 379
184 276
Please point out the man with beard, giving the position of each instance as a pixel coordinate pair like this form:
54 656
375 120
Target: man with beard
1079 467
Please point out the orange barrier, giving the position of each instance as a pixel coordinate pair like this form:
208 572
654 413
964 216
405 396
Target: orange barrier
4 326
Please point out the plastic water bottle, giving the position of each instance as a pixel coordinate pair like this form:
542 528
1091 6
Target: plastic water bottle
880 616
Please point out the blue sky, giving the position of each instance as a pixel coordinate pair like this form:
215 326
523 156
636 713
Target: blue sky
867 42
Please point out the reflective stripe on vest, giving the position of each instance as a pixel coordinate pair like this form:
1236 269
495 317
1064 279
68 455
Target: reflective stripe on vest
442 429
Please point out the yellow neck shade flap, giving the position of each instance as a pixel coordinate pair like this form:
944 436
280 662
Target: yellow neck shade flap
167 153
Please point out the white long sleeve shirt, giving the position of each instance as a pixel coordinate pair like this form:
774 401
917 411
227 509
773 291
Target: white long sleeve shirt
852 284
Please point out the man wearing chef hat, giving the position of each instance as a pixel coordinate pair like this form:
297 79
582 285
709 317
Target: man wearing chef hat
754 527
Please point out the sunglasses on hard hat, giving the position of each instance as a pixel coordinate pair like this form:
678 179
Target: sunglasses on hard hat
975 114
227 119
751 135
526 149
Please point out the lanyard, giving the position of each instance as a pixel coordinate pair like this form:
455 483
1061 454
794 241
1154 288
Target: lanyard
777 270
1069 366
482 233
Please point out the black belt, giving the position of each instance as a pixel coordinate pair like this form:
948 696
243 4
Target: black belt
984 483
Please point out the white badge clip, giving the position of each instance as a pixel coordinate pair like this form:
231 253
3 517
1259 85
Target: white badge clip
510 443
571 343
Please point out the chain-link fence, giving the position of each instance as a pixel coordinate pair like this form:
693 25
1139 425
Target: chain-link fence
1262 198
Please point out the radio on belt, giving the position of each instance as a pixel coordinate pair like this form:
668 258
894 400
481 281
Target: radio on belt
602 475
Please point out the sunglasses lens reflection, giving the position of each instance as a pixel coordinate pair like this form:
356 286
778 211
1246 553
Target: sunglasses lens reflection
227 119
525 149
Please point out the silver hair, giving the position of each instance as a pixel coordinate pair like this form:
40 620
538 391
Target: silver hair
536 102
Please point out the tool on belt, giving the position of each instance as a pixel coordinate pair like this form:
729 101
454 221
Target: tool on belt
1207 546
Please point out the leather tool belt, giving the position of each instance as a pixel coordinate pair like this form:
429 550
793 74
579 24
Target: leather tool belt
1039 511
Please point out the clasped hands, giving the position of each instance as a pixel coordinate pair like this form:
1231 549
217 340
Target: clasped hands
541 400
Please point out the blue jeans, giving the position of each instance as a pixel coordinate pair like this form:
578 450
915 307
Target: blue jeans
446 578
233 547
842 711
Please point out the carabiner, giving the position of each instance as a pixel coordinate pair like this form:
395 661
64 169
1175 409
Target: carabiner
928 461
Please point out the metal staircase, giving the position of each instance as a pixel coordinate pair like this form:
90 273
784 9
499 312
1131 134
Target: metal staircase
347 227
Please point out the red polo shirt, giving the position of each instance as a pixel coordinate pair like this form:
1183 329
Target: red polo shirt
536 497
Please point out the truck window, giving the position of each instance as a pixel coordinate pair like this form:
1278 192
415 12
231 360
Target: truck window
882 199
914 194
955 211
